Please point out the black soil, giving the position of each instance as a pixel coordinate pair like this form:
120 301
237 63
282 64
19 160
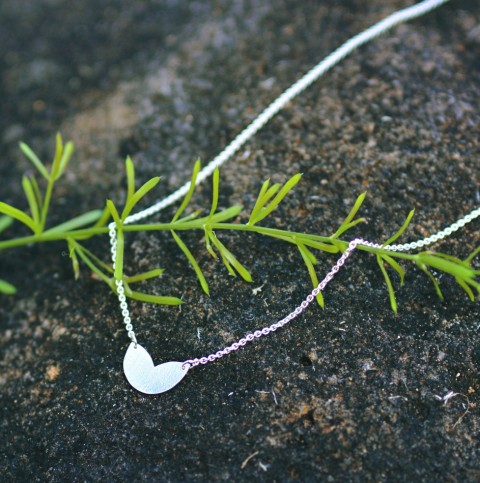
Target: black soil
349 393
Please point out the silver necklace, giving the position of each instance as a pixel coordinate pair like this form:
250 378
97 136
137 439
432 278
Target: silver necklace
138 365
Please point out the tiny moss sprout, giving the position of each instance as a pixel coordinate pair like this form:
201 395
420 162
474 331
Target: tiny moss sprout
75 231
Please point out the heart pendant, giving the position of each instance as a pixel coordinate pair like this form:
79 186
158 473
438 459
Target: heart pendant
147 378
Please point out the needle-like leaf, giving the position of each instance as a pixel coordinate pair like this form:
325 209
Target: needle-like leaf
267 209
130 169
436 285
391 293
215 188
77 222
138 195
64 160
192 261
472 255
229 260
73 256
91 265
188 196
7 288
141 277
5 222
260 201
395 265
310 260
401 230
35 161
348 222
31 199
153 299
36 190
467 289
18 215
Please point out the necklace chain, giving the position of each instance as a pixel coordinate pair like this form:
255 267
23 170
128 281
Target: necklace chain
290 93
321 286
264 117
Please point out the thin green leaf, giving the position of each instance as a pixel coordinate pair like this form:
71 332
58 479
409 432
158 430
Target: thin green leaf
324 247
215 189
5 222
77 222
467 289
305 251
208 244
424 268
451 258
141 277
36 191
258 203
18 215
391 293
191 189
85 258
394 264
74 258
474 284
7 288
270 193
103 220
401 230
31 199
55 170
286 188
228 266
456 269
472 255
262 200
100 263
309 262
356 206
347 226
190 217
307 240
114 213
138 195
119 255
66 155
192 261
263 189
347 223
229 259
130 169
35 161
153 299
226 214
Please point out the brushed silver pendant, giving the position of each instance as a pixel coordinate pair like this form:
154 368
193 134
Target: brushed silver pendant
147 378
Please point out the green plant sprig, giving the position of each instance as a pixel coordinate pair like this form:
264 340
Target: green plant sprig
270 196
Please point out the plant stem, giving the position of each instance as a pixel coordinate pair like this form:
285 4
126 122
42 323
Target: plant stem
198 224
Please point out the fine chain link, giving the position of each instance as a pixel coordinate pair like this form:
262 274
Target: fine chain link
321 286
405 247
112 230
292 315
266 330
310 77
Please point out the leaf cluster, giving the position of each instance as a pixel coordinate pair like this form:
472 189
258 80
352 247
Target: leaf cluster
214 221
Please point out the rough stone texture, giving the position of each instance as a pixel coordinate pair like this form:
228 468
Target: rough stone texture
351 392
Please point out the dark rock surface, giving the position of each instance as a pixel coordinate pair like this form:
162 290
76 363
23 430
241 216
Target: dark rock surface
352 392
